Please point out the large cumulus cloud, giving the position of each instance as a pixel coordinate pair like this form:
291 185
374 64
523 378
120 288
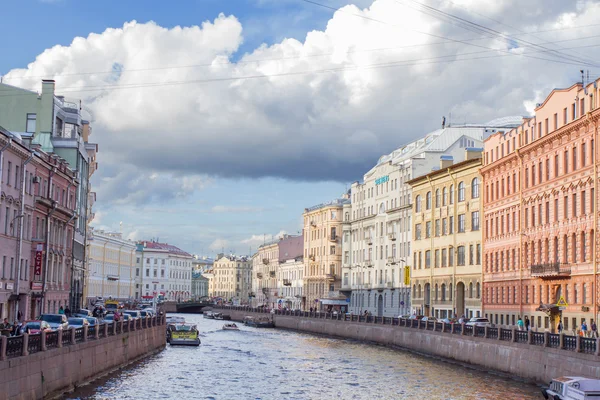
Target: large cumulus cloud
166 106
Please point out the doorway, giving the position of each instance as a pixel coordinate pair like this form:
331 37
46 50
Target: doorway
427 300
380 306
460 299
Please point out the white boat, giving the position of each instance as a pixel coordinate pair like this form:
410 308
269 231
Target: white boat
572 388
230 327
175 320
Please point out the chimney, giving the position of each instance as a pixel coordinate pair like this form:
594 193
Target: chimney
473 153
48 86
446 161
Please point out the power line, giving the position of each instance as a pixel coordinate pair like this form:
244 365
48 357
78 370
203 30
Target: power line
400 63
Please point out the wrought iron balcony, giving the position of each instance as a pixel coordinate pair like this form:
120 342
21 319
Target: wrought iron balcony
333 238
272 274
259 275
265 261
331 277
551 270
287 282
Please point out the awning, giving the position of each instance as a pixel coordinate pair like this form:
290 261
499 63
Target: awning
331 302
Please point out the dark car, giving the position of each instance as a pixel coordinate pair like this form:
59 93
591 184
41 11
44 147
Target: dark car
78 322
56 321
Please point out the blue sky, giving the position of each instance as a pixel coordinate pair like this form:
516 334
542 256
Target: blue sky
222 157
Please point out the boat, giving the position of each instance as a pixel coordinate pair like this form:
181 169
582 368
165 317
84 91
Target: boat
209 315
183 334
175 320
221 316
572 388
262 322
230 327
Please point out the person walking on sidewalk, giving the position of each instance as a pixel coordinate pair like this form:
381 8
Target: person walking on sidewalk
520 324
527 323
560 326
584 329
594 329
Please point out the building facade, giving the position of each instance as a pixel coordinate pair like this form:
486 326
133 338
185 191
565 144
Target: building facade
541 214
447 244
323 256
163 271
112 267
378 222
232 279
290 284
199 285
60 127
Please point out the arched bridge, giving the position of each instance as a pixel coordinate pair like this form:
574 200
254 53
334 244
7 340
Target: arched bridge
192 308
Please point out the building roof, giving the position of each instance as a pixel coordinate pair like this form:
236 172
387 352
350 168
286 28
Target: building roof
332 203
165 247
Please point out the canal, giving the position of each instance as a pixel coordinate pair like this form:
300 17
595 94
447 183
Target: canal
276 364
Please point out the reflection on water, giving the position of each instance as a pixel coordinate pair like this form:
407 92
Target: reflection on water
273 364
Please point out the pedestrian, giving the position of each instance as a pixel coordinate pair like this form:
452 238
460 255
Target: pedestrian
461 320
560 326
68 311
584 328
527 323
520 324
594 332
117 316
61 310
19 316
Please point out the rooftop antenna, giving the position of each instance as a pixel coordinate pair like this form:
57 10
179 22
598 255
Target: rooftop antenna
449 120
582 78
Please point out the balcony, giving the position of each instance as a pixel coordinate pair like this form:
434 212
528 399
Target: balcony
259 275
313 224
333 294
551 270
391 260
311 257
369 241
331 277
265 261
287 282
272 274
333 238
392 237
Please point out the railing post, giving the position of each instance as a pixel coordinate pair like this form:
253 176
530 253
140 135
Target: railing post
86 330
462 328
106 330
43 338
72 334
25 349
3 343
499 333
134 323
114 327
122 322
578 344
546 339
529 337
485 332
561 340
513 335
59 338
96 331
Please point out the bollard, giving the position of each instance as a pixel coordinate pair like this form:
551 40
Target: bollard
85 333
43 338
499 334
561 341
122 322
114 327
25 349
72 334
105 330
134 324
3 343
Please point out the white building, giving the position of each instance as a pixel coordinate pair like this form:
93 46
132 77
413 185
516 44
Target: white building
377 230
290 283
111 266
163 270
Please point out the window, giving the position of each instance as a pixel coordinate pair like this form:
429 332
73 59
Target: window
437 198
474 221
437 258
475 188
471 254
451 194
417 231
583 210
461 256
444 226
8 173
418 204
451 225
461 223
461 191
566 162
428 201
444 196
450 256
444 257
478 254
428 259
574 158
31 122
574 205
437 227
583 155
566 208
428 229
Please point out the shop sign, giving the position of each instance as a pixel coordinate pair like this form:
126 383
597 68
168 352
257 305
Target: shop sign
383 179
10 286
39 257
37 286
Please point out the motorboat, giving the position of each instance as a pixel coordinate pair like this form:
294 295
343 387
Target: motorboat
572 388
261 322
222 317
209 315
183 334
175 320
230 327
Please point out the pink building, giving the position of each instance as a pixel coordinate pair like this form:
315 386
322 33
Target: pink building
540 214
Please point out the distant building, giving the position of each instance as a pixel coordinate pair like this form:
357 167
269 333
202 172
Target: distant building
202 264
112 267
232 279
165 271
199 286
290 284
447 242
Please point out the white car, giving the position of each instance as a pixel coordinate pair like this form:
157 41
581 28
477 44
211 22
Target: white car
478 321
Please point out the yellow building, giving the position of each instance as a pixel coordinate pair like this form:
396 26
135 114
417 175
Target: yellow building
323 255
446 271
232 279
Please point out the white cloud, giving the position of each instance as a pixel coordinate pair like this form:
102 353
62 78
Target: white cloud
166 138
257 240
219 245
236 209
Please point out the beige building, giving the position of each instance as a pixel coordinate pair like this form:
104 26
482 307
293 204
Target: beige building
446 266
290 283
232 279
323 255
111 266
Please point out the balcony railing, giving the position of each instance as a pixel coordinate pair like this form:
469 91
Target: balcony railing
333 238
265 261
331 277
287 282
550 270
272 274
259 275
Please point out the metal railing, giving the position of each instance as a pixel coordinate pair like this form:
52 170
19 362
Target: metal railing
546 339
35 343
550 269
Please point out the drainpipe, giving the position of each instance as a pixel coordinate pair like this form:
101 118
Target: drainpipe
21 217
454 230
594 204
6 146
431 249
521 261
47 250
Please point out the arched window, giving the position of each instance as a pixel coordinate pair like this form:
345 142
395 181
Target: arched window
471 290
382 208
444 196
478 290
418 203
461 191
451 194
436 291
475 188
428 201
584 294
437 198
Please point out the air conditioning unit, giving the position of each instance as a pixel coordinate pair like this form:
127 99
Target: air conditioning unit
37 179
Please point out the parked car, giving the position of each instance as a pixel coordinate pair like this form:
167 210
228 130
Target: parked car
82 313
150 311
135 314
447 320
433 319
56 321
416 317
78 322
35 327
111 317
478 321
146 314
93 321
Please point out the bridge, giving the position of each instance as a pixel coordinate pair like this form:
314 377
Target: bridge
191 308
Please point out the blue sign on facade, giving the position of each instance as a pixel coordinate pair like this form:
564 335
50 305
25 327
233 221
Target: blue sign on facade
381 180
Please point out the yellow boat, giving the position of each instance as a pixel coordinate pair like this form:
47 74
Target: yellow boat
182 334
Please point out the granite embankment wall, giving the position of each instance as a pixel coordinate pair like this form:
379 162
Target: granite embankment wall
537 363
50 373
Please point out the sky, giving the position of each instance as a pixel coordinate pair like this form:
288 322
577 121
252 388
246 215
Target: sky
218 122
